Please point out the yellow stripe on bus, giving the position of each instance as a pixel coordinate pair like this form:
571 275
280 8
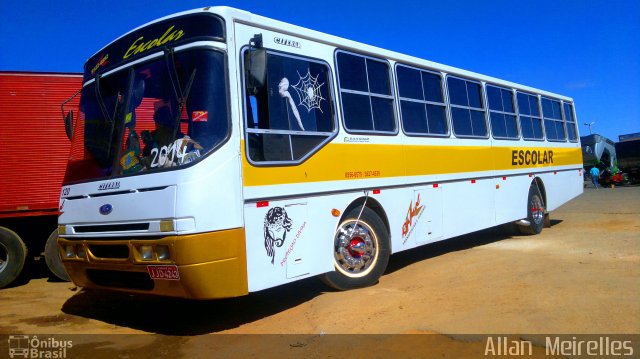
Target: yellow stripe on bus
348 161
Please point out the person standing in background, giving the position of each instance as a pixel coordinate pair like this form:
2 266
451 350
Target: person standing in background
595 175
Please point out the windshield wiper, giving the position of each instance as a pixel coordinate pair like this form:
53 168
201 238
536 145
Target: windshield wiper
181 96
105 113
121 117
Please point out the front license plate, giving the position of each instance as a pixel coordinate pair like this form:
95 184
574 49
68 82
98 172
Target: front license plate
169 272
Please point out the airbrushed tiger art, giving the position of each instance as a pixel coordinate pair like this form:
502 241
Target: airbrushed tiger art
276 226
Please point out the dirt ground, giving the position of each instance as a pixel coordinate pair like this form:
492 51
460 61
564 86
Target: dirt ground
580 276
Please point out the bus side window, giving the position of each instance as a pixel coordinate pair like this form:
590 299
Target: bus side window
365 89
292 115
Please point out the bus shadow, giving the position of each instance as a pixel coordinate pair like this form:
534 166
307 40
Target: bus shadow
460 243
171 316
174 316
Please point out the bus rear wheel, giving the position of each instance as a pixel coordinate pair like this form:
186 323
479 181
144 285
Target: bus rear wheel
535 213
13 253
361 251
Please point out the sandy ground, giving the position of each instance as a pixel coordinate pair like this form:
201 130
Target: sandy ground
580 276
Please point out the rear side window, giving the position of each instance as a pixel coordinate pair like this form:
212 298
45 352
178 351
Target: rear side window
570 121
292 115
467 109
365 89
529 116
422 106
502 113
553 124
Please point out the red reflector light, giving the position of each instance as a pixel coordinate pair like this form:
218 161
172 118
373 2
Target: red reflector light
530 174
504 178
435 185
473 181
555 172
262 204
376 191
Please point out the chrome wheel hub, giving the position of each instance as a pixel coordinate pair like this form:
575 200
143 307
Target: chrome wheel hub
356 248
537 209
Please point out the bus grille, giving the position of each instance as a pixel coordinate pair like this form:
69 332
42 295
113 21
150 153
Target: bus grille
120 279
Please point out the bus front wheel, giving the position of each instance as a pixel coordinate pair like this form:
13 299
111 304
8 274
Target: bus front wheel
535 212
53 259
360 251
13 253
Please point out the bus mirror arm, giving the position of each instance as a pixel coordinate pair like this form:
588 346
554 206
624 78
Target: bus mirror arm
68 117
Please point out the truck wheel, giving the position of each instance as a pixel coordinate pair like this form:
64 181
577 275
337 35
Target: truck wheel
535 213
53 259
361 251
13 253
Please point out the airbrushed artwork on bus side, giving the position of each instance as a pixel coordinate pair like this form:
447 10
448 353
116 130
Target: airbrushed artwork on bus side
308 91
276 226
411 220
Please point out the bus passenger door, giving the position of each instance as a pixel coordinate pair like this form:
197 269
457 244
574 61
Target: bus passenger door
279 244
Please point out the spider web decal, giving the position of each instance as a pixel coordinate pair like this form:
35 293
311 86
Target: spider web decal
308 91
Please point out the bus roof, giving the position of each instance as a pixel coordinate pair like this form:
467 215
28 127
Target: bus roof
245 17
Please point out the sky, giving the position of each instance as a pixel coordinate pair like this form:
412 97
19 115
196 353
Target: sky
585 49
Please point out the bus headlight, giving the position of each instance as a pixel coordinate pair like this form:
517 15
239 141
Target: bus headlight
146 253
69 251
80 251
163 253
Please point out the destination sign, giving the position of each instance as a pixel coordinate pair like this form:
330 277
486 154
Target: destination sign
156 37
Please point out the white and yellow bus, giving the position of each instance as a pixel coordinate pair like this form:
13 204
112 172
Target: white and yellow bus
218 153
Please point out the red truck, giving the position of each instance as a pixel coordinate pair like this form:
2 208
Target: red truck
35 150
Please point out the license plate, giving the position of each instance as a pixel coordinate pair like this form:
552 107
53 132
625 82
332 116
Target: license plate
169 272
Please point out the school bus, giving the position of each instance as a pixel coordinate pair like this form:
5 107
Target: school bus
218 153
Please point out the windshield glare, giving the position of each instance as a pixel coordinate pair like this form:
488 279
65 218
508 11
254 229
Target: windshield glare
157 115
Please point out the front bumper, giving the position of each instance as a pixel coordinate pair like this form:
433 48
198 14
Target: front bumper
210 265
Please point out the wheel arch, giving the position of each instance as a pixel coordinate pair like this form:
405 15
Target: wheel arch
372 204
543 191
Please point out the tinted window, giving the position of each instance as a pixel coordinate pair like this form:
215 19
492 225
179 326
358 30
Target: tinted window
409 84
501 112
570 120
457 92
421 115
475 96
365 89
414 117
553 124
356 68
432 87
292 114
467 112
495 98
529 115
357 109
378 73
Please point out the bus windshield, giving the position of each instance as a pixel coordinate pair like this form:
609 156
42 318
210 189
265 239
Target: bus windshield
156 115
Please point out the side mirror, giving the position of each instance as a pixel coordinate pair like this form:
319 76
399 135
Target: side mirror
68 124
256 65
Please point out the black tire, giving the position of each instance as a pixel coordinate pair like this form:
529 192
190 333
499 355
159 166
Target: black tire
359 260
13 253
535 212
53 259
